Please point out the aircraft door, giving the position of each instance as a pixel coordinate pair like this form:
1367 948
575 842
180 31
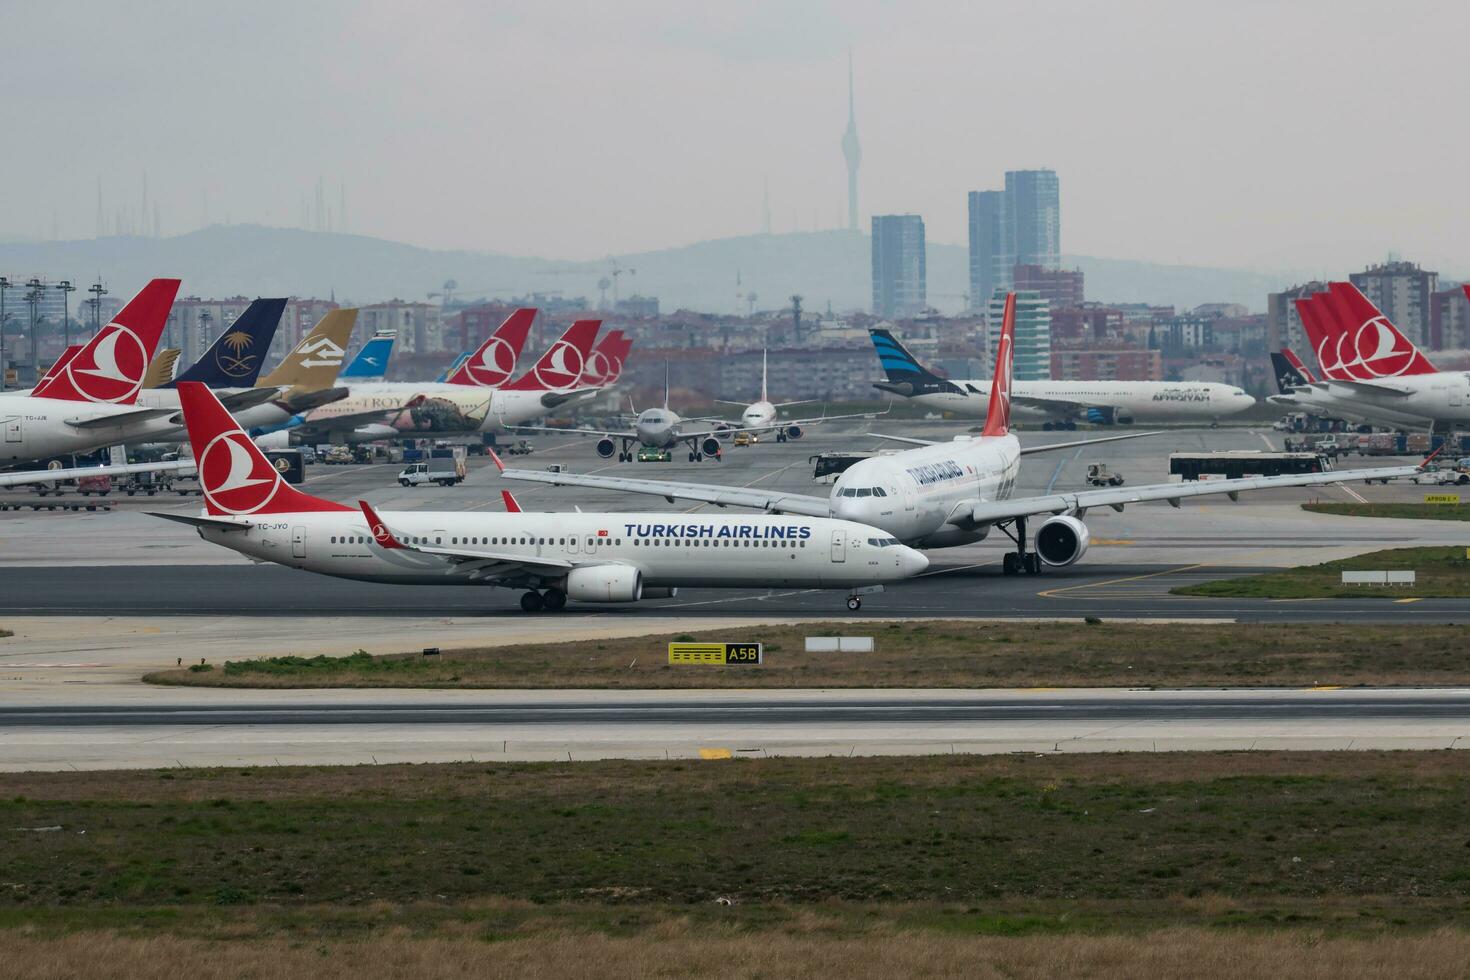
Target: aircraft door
298 542
12 430
908 498
839 546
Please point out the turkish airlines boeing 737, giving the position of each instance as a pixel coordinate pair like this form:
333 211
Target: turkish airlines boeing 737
553 557
953 493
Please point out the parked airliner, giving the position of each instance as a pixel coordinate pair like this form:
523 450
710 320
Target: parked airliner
586 557
945 494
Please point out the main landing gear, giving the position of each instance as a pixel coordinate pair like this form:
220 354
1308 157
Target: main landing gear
552 600
1019 561
695 456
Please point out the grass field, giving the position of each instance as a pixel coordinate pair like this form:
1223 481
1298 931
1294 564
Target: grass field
1418 512
834 861
913 654
1442 573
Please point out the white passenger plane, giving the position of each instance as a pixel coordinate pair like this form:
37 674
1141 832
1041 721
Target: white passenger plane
249 508
952 493
762 416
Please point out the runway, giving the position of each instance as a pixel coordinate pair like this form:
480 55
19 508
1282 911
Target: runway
241 727
949 589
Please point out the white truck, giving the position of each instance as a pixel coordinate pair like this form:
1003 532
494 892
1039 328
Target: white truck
446 472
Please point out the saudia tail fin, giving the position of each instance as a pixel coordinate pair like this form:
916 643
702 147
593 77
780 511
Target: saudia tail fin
110 367
560 368
371 363
998 414
234 475
494 362
60 363
234 360
161 368
1297 365
1366 343
314 363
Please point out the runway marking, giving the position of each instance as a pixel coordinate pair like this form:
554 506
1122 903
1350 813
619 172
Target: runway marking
1400 602
1323 687
1053 593
1113 541
1269 447
716 754
1351 492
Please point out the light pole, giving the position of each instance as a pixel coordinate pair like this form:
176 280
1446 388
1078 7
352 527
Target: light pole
98 291
34 286
4 285
66 290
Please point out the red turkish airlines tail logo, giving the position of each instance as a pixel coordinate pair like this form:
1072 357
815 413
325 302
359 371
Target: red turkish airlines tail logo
998 414
561 367
1356 342
495 362
109 369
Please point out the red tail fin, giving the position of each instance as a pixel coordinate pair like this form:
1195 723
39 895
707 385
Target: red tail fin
234 474
494 362
600 362
61 362
619 357
379 529
110 367
998 414
1296 362
1365 345
560 368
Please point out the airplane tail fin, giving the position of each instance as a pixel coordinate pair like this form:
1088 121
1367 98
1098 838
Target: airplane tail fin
619 356
234 475
161 368
901 366
512 506
110 367
1366 344
371 363
60 363
604 365
313 364
1287 375
1297 365
494 362
763 375
998 414
560 368
235 358
1313 326
445 374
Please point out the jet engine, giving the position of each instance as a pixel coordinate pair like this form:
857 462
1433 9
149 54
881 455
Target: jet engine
370 433
605 583
280 439
793 432
606 447
710 446
1062 540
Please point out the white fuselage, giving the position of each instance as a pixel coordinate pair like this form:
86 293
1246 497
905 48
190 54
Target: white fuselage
922 490
446 408
40 428
671 550
1139 401
657 428
1441 399
760 415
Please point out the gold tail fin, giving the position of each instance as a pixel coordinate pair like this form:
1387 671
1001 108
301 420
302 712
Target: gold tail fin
161 368
314 363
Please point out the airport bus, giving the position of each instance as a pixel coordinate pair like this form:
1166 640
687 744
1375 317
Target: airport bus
1237 463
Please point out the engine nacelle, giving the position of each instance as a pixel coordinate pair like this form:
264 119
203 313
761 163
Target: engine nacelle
793 432
1062 540
605 583
280 439
606 447
370 433
661 593
710 446
1122 418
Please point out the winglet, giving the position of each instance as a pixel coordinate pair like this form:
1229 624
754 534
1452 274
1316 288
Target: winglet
1427 459
381 534
998 414
511 505
496 459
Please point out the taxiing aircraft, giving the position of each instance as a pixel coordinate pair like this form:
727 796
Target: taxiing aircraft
585 557
1059 404
940 495
760 416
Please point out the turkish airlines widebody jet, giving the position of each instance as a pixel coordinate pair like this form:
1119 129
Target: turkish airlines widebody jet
91 401
940 495
249 508
1059 404
1371 372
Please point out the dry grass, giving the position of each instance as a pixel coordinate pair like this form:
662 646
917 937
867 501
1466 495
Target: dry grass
1198 954
953 654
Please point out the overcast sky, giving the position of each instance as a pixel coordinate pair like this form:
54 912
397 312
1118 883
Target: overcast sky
1302 135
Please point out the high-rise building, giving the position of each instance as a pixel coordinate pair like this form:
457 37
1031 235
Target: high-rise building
1402 291
1020 225
1449 319
1061 288
1034 212
899 275
991 257
1284 324
851 152
1032 352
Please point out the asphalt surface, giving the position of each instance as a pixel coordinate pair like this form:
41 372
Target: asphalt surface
755 709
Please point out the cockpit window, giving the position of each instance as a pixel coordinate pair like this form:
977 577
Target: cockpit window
879 492
865 492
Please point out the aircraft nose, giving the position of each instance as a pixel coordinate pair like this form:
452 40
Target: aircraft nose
912 561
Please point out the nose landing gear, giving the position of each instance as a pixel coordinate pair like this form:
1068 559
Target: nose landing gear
854 603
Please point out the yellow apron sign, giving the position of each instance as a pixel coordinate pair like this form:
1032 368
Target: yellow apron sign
1441 498
715 654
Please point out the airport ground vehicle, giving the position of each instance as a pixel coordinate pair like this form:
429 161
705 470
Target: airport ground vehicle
1436 475
338 456
648 454
589 557
745 438
444 471
1098 475
100 485
519 448
1242 463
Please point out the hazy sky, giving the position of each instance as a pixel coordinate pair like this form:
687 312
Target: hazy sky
1302 135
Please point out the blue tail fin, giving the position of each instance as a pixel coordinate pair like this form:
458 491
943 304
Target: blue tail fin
906 376
235 359
444 375
371 363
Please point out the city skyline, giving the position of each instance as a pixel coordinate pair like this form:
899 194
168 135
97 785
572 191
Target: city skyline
1247 152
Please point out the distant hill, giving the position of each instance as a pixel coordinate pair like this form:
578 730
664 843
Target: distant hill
825 267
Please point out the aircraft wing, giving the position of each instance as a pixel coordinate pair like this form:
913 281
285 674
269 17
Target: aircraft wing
1374 387
185 466
775 502
905 439
238 401
818 419
1028 450
199 520
610 433
122 418
1078 502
